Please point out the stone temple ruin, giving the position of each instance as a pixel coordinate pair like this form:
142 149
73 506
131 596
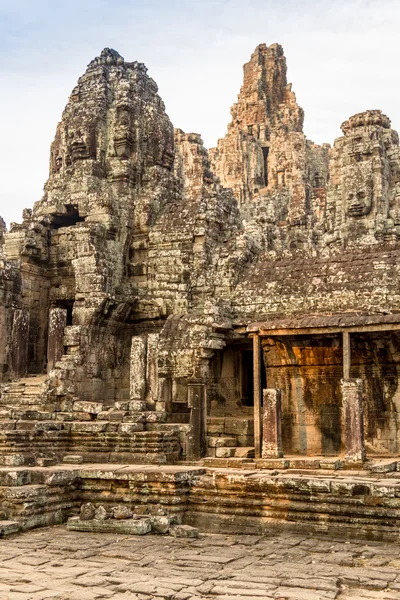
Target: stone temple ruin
232 314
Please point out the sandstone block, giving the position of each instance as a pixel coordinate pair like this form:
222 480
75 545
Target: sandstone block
103 513
244 452
225 452
125 526
137 405
87 512
184 531
8 528
218 442
93 408
128 428
239 426
121 512
73 459
160 524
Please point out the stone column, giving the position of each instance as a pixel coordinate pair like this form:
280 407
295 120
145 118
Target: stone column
257 394
353 411
19 343
272 424
164 401
5 340
138 374
346 355
55 341
152 371
196 440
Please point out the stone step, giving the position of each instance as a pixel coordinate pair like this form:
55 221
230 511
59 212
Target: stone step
225 452
15 478
244 452
20 397
8 528
30 415
221 442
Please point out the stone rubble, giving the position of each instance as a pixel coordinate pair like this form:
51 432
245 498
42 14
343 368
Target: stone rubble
148 519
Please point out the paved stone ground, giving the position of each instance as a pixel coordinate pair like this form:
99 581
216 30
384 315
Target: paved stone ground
55 563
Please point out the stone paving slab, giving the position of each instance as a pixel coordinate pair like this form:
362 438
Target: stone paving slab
59 564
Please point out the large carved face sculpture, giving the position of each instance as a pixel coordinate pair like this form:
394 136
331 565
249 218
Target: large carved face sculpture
358 192
359 201
81 144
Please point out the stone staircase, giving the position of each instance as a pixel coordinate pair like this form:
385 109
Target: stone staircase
226 447
230 437
21 398
35 431
30 498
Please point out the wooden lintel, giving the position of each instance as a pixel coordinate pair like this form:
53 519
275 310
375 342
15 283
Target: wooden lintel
329 330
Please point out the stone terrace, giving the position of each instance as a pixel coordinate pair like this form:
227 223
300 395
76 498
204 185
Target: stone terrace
253 498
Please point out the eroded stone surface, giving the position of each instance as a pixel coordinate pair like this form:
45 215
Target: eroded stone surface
55 563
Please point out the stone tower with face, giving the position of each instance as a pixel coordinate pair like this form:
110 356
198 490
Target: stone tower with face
364 194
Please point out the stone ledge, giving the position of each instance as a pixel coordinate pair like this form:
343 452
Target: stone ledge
127 526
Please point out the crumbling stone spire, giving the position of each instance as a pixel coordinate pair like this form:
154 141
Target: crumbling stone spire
266 100
264 148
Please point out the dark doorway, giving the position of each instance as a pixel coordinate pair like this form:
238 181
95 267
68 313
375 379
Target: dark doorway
71 217
265 151
68 305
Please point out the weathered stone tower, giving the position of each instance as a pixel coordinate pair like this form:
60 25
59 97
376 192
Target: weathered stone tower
155 291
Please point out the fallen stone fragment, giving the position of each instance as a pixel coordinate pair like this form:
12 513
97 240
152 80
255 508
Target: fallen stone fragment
88 511
125 526
160 524
102 513
184 531
121 512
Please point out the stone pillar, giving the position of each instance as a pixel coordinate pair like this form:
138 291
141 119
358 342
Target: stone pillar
346 355
164 401
138 373
152 371
55 341
196 441
272 424
353 412
19 343
5 340
257 394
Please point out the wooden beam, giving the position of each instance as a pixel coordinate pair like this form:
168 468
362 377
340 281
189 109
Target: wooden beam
329 330
346 355
257 394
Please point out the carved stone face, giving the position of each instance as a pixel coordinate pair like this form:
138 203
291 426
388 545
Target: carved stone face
359 201
79 146
359 190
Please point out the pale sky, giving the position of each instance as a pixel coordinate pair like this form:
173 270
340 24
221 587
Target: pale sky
343 57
